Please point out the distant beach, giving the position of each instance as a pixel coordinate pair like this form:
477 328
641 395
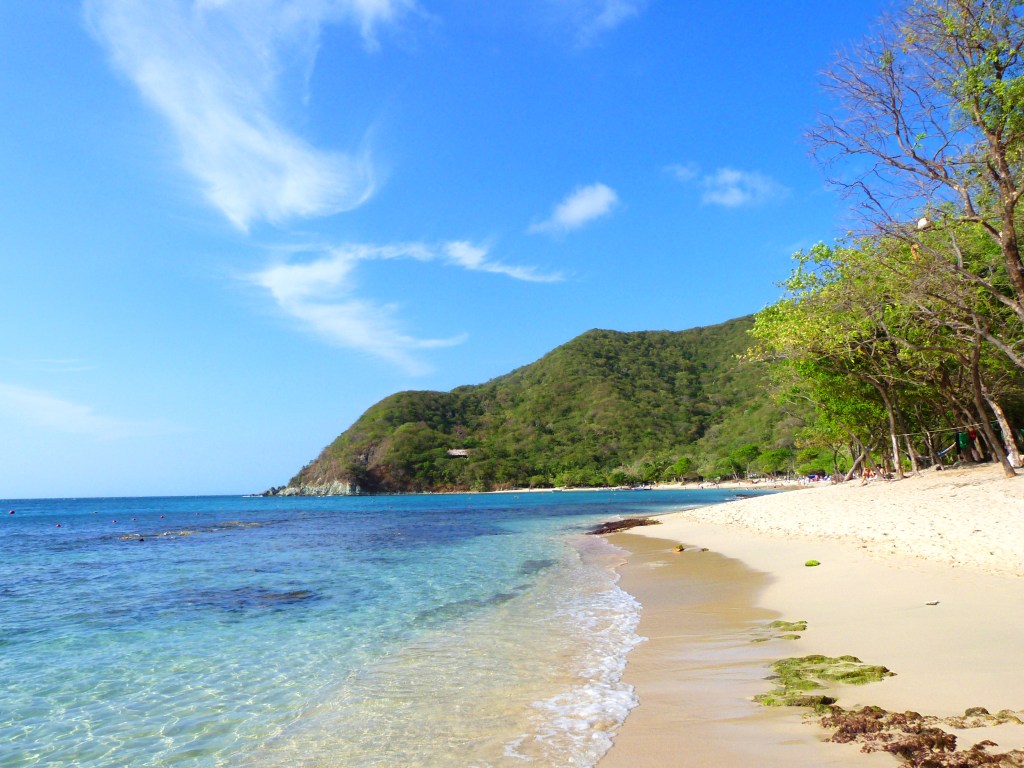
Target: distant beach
923 575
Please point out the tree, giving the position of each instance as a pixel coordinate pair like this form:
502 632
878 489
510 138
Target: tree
880 341
743 457
931 118
775 460
682 467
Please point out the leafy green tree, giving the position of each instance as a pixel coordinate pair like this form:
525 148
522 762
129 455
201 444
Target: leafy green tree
930 114
743 458
813 461
724 467
869 338
682 467
775 461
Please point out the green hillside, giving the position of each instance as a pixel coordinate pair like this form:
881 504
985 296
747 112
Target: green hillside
607 408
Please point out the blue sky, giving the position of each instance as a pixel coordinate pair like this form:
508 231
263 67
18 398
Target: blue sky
228 227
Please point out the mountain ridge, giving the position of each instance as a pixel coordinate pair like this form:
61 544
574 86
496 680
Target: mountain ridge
605 408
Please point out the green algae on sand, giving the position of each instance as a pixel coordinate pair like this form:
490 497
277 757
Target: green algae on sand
798 677
781 630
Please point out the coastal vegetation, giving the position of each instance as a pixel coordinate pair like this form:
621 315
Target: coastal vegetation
605 409
908 339
895 349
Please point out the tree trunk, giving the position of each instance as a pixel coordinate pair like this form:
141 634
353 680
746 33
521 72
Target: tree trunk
876 470
979 404
901 423
914 466
849 475
933 455
1009 444
1009 247
896 459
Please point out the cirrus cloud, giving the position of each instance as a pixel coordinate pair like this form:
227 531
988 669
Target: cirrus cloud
593 18
730 187
583 205
319 294
210 68
733 188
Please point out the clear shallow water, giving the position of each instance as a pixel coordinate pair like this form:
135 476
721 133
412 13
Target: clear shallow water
462 630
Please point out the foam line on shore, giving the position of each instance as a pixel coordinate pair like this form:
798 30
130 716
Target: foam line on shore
921 575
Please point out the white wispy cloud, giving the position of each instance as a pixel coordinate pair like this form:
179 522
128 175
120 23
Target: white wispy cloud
211 68
592 18
684 172
43 410
583 205
474 258
319 293
730 187
734 188
611 13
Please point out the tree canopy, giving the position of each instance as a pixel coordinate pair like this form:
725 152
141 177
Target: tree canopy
912 335
605 409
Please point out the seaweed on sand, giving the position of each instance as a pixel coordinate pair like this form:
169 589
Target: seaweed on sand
797 677
780 630
917 739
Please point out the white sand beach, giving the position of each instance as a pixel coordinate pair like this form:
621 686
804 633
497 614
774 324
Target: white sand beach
924 576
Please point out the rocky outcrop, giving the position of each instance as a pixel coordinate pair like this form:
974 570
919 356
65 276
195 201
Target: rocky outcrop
614 526
335 488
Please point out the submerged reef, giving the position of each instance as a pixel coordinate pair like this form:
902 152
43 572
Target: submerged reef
249 598
177 533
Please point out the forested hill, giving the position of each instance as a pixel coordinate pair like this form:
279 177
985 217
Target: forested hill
607 408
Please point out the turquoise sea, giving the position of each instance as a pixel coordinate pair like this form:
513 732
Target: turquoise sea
449 630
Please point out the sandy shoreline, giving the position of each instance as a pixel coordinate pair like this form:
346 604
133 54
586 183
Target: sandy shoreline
886 551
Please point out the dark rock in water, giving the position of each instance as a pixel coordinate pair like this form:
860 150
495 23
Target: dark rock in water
294 596
459 608
622 525
245 598
530 567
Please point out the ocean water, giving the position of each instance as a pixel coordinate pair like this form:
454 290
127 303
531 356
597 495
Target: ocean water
453 630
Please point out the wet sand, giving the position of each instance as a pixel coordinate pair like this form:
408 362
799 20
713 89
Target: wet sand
699 668
883 559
